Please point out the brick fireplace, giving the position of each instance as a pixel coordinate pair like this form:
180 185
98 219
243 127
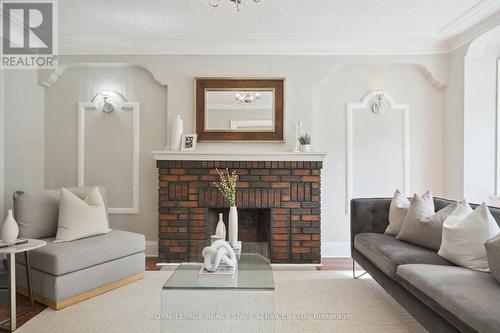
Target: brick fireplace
278 202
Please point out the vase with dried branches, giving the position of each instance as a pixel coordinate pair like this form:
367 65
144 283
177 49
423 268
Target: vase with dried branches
227 185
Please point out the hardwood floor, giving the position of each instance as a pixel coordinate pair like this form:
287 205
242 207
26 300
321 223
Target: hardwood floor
151 265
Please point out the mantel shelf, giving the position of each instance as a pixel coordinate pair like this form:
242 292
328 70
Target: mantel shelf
167 155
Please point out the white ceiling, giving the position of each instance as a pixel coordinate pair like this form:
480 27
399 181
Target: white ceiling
185 26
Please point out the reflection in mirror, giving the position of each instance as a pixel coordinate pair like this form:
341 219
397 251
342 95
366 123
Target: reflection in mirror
239 110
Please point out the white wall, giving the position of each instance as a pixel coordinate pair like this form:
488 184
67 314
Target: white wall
480 123
80 84
317 88
406 84
453 129
23 133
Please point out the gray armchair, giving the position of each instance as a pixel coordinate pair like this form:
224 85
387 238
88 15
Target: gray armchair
67 273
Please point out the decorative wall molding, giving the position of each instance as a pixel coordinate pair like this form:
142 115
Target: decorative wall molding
48 77
432 71
83 107
364 106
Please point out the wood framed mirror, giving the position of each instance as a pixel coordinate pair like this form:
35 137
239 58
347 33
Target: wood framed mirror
239 109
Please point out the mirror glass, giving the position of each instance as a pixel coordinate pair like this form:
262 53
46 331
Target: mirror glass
239 110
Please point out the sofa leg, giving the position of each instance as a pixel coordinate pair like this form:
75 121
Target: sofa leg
354 271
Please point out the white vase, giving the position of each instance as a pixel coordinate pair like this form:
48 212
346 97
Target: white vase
305 148
221 228
176 131
233 226
9 230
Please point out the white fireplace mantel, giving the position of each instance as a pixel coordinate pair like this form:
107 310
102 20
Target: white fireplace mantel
168 155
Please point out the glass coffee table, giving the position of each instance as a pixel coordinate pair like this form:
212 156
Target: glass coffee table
243 303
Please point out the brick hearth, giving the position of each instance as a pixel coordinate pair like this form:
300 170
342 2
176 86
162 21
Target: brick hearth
290 190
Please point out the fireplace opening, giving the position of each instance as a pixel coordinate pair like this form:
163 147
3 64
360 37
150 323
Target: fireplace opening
254 224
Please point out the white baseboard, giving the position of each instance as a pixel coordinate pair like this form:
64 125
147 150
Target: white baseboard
335 249
151 248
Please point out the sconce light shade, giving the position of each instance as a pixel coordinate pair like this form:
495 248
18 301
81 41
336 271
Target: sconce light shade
379 105
107 100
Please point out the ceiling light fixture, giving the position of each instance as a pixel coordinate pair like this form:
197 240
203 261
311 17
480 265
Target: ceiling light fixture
247 97
237 3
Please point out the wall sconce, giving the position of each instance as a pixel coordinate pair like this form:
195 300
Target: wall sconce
379 105
110 98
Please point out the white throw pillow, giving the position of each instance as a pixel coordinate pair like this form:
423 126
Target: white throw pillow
399 209
464 233
397 213
81 218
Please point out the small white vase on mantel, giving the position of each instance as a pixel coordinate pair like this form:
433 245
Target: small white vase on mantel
221 227
233 226
9 230
305 148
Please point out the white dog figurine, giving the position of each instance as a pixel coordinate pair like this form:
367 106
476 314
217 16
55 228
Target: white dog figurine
218 252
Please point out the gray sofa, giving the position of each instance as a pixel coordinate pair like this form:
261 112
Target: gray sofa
441 296
67 273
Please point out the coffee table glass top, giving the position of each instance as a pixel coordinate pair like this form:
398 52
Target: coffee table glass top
253 273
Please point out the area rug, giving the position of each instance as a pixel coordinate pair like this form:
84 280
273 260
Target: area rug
349 306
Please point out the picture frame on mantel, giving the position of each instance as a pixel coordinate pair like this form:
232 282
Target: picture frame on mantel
239 109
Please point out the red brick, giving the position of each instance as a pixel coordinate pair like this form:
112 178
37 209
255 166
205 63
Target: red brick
310 217
280 249
168 217
188 178
177 171
280 244
285 198
188 204
301 237
280 184
301 250
169 178
310 243
280 237
290 204
280 230
280 217
282 211
269 178
311 179
301 172
178 249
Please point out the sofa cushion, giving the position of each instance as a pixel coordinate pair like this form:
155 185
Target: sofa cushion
37 213
462 294
387 253
62 258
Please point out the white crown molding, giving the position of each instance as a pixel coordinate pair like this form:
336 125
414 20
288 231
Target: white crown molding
256 44
470 18
285 44
477 30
